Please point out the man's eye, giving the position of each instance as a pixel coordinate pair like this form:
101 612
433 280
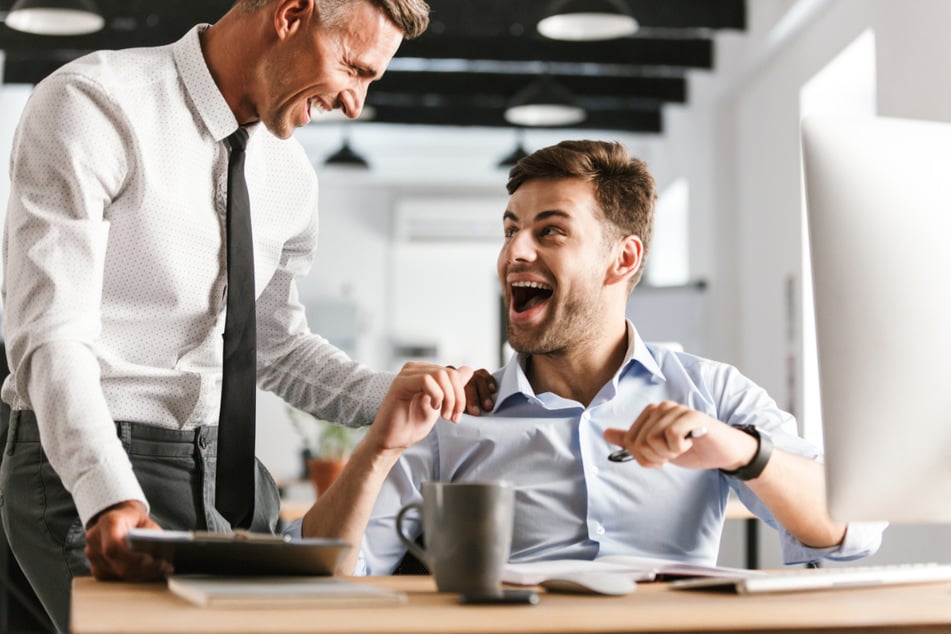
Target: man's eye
509 232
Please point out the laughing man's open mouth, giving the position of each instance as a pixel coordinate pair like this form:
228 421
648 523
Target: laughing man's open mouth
527 295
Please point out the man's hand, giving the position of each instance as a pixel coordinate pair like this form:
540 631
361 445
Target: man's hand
662 434
479 391
418 396
109 555
421 393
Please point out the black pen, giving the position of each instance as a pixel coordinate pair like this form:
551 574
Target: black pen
622 455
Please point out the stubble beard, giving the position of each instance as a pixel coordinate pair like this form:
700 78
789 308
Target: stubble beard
572 326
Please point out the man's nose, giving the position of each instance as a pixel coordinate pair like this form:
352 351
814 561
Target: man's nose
352 100
521 247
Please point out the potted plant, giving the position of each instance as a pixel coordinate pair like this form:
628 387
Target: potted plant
326 446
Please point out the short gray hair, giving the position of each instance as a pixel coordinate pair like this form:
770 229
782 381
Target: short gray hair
410 16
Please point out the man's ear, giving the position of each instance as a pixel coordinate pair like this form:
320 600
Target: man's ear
290 15
628 254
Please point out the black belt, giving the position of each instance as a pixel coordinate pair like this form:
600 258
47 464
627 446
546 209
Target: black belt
138 437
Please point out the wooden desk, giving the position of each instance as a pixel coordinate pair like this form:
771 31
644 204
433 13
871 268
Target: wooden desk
104 607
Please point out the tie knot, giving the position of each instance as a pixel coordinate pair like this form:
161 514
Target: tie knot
238 140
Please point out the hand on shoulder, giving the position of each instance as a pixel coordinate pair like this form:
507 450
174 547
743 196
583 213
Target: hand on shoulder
418 396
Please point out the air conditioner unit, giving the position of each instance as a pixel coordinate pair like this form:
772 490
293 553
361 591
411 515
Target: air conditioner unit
449 219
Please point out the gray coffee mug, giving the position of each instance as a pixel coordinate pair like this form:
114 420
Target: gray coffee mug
467 527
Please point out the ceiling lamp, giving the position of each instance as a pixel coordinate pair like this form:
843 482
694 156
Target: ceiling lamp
585 20
55 17
544 102
513 157
346 157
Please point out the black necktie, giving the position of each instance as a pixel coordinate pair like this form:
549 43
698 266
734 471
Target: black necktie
234 475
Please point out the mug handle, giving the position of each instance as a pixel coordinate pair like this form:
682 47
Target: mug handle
410 544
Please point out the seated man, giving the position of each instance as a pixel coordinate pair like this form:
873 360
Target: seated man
577 230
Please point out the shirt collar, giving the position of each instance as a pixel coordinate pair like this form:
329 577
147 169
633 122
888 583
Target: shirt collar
513 380
637 352
200 86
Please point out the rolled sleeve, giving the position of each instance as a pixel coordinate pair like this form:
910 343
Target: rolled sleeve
861 540
293 530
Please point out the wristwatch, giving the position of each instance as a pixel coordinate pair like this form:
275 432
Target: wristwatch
764 449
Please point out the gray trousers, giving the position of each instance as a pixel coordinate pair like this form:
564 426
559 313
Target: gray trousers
176 470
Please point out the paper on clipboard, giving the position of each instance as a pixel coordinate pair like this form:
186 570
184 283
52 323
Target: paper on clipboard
239 553
280 592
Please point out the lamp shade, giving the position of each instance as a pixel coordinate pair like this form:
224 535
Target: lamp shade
55 17
544 102
346 157
584 20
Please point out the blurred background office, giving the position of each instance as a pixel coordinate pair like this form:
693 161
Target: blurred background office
709 92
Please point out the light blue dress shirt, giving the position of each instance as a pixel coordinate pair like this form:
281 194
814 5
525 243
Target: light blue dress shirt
571 501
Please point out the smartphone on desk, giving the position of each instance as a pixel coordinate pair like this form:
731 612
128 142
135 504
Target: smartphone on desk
508 596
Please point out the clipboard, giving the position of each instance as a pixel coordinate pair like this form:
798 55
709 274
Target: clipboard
239 553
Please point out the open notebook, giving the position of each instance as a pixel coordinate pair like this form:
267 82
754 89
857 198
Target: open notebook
632 567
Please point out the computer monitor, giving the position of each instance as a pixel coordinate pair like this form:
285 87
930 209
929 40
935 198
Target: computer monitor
878 199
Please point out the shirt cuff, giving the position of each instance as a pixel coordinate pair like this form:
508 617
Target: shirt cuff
293 530
99 489
360 569
861 540
377 387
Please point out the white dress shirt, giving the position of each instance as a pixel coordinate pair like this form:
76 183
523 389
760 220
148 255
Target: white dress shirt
571 502
114 264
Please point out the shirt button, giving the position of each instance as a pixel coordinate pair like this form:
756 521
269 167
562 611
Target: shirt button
595 470
598 529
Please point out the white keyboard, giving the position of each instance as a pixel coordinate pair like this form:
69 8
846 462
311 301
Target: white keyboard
823 578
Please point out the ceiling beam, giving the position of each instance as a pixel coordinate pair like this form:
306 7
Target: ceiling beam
658 89
516 17
685 52
642 121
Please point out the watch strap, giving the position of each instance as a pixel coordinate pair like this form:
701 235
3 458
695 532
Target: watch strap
764 449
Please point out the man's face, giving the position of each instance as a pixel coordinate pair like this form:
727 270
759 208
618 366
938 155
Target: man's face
325 68
553 265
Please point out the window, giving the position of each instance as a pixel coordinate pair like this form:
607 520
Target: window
669 262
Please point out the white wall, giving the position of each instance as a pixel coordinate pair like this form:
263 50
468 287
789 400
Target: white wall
755 220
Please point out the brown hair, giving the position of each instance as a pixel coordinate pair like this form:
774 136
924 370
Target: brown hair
623 187
411 16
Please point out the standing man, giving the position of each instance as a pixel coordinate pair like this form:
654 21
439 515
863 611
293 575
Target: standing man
116 275
577 229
